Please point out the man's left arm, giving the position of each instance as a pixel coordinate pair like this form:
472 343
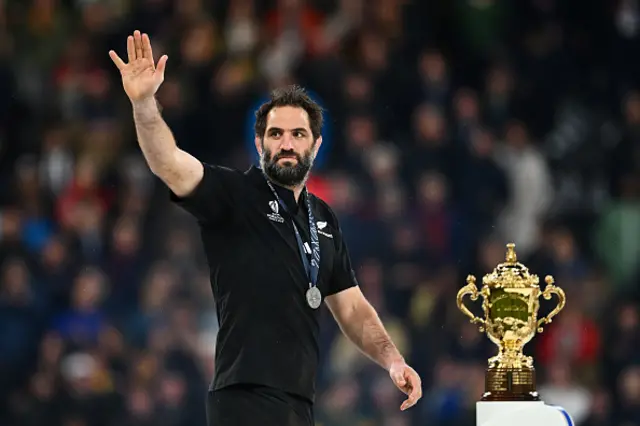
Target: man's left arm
359 321
361 324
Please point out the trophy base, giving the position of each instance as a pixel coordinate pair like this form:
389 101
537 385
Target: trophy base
520 413
504 384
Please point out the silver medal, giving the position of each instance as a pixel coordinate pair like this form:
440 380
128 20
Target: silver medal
314 297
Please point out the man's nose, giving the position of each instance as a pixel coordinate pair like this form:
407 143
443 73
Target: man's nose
287 142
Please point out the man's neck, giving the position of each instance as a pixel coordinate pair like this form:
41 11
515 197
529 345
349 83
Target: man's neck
297 191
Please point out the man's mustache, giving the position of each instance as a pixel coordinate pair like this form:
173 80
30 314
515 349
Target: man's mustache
287 154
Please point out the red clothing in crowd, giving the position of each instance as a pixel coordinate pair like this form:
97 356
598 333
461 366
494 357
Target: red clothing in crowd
75 194
319 186
310 24
576 340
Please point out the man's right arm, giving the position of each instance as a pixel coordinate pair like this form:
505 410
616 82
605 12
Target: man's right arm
205 191
179 170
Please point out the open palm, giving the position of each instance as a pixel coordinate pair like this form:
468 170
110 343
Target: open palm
141 78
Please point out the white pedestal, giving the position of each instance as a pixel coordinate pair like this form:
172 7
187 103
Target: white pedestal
535 413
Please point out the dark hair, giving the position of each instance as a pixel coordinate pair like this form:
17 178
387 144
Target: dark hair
294 96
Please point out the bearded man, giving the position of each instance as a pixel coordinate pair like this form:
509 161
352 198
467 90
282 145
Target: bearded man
275 253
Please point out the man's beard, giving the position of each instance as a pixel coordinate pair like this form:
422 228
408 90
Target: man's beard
289 174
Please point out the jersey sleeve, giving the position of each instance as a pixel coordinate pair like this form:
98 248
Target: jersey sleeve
343 276
213 198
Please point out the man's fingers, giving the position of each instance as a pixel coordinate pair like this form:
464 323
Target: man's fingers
413 389
116 60
147 52
416 394
416 387
413 398
131 49
137 41
408 403
162 64
399 379
405 405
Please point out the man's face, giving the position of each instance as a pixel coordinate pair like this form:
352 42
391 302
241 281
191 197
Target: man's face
287 148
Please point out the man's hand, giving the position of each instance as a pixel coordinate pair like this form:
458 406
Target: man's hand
408 381
140 76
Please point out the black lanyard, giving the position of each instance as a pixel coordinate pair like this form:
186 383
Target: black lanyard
312 268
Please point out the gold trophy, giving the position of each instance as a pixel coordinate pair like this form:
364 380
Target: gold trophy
510 304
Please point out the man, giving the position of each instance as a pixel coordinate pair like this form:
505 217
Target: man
275 253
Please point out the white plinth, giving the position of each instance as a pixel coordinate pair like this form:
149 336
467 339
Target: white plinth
535 413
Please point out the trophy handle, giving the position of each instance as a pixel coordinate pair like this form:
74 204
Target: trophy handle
550 290
472 291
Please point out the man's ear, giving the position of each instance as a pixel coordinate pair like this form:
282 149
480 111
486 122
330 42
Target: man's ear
258 141
318 143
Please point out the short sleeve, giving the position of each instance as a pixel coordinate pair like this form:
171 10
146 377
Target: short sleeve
343 276
213 199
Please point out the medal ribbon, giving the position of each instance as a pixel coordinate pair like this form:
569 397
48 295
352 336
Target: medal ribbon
312 268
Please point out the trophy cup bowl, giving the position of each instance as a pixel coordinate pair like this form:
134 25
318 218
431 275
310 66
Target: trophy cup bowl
510 303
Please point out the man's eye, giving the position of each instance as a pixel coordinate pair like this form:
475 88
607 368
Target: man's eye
298 134
276 134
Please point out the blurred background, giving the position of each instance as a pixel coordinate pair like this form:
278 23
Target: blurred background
453 128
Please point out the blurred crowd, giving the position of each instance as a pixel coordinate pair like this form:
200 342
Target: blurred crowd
454 127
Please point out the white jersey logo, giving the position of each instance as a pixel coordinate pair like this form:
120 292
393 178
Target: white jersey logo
274 215
321 226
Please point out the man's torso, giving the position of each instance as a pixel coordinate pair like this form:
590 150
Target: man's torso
268 333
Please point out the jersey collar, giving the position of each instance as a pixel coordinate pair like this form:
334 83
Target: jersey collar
258 178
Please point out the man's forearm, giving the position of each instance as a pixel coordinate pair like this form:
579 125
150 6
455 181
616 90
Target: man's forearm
155 138
178 170
367 332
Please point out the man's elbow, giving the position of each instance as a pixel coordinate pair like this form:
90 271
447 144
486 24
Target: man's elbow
180 172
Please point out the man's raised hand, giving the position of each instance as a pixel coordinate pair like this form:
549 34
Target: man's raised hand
141 77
